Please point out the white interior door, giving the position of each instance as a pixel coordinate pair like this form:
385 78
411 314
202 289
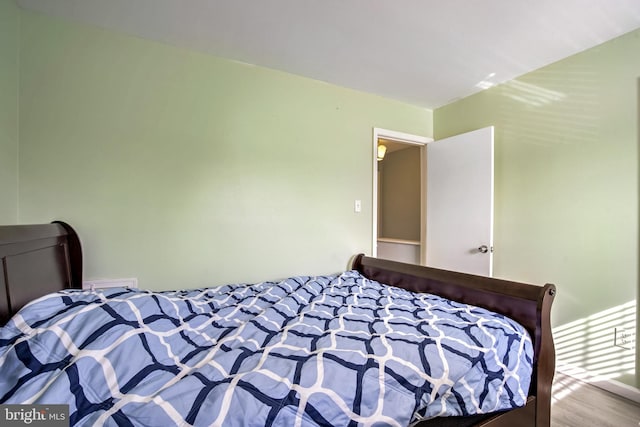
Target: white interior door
460 203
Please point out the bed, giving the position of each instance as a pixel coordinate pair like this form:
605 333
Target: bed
43 262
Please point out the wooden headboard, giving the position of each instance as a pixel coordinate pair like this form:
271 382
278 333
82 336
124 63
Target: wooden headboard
55 250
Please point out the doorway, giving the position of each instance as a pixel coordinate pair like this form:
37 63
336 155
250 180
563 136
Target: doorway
401 242
456 200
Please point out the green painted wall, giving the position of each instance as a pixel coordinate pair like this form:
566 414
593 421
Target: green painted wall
182 169
9 40
566 191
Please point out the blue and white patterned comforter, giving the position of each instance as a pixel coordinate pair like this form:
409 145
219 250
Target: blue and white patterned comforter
334 350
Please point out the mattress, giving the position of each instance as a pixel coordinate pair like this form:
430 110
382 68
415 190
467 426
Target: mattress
327 350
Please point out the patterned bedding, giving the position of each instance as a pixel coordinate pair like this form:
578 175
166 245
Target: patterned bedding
336 350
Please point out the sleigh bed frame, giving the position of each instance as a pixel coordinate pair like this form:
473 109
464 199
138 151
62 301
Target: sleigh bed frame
43 258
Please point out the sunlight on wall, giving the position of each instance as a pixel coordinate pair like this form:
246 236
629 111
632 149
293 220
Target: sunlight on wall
541 111
599 347
523 92
531 94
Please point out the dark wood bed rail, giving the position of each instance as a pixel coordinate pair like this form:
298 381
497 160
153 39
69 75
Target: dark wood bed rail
56 251
530 305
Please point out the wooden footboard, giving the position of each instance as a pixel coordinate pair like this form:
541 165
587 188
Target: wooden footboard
529 305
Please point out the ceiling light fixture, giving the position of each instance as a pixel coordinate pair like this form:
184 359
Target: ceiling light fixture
382 149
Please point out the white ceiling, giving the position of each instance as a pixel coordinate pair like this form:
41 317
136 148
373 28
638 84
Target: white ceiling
424 52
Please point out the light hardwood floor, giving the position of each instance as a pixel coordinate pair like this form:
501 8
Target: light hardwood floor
577 404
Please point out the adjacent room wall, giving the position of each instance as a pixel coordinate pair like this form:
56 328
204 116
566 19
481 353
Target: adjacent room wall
566 192
184 170
399 194
9 40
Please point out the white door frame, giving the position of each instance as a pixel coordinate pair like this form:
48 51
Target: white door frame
404 138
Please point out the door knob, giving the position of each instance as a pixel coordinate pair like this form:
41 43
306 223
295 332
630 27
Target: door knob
483 249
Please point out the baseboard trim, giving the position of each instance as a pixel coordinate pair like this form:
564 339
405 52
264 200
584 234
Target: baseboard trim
607 384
